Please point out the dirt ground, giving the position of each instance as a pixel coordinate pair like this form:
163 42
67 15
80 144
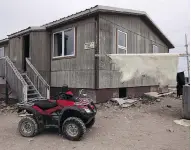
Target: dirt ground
143 127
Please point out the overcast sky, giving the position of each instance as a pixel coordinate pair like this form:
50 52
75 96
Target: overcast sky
172 16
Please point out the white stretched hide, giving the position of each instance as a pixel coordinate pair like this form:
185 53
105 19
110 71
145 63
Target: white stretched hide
161 66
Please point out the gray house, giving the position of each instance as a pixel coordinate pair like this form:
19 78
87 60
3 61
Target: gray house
72 51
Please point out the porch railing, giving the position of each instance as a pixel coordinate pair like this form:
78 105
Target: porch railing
41 85
14 78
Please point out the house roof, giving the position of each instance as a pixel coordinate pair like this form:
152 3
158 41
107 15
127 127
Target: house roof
97 9
92 10
3 41
24 31
108 9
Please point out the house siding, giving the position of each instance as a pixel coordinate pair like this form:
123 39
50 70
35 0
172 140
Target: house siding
78 71
16 53
109 76
6 48
40 52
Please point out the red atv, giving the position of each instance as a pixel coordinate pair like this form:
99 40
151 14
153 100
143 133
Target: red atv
70 114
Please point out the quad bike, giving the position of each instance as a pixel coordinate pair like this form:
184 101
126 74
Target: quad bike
70 114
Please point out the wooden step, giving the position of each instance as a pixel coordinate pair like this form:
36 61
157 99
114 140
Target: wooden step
29 90
33 95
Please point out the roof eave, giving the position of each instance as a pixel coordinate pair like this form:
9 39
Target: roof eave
164 37
96 9
25 31
100 8
3 41
71 17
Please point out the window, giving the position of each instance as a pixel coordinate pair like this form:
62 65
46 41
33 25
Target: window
121 42
2 53
155 49
64 43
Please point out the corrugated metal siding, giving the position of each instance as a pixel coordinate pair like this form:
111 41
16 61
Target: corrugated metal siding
77 72
109 77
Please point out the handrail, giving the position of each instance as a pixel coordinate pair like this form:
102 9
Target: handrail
34 69
14 78
41 85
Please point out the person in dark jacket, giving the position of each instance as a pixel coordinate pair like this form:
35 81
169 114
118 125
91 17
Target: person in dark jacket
180 78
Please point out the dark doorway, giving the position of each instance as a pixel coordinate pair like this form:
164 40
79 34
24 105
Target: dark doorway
122 92
26 48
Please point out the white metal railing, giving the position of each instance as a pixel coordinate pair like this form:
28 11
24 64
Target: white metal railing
14 78
41 85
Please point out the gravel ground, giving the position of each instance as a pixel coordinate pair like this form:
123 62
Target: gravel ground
143 127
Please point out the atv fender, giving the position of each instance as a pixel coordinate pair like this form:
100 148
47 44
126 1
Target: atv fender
65 113
28 109
32 112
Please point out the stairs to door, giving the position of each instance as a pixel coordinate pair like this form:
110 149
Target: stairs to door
32 92
29 86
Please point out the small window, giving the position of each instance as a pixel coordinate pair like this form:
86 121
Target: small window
121 42
2 52
155 49
64 43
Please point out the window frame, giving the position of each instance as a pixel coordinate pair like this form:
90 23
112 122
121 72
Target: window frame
3 51
64 56
119 46
154 46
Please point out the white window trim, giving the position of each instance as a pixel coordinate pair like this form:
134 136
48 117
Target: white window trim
119 46
154 46
62 31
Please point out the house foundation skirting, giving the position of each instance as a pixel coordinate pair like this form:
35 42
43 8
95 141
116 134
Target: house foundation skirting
103 95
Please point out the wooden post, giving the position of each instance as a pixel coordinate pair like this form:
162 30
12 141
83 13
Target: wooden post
6 92
186 45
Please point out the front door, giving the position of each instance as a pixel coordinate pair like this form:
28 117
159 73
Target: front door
26 50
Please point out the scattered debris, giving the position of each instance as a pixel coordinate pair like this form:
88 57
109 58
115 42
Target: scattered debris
170 130
3 104
7 108
30 140
158 100
183 122
152 95
123 102
169 106
126 105
155 95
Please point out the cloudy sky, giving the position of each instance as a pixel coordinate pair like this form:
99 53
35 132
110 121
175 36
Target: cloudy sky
172 16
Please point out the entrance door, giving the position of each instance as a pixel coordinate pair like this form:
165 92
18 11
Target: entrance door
26 48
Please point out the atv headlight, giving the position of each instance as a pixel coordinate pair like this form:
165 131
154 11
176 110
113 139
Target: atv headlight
87 110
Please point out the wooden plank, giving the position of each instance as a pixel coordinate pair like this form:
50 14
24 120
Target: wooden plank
16 53
78 70
109 24
75 79
40 53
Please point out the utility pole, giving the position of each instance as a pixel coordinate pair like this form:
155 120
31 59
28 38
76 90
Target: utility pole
187 56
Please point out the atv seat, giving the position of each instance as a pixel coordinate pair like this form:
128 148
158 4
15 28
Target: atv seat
44 104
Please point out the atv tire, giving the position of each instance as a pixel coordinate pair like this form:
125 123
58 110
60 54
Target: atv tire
28 127
91 123
73 128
